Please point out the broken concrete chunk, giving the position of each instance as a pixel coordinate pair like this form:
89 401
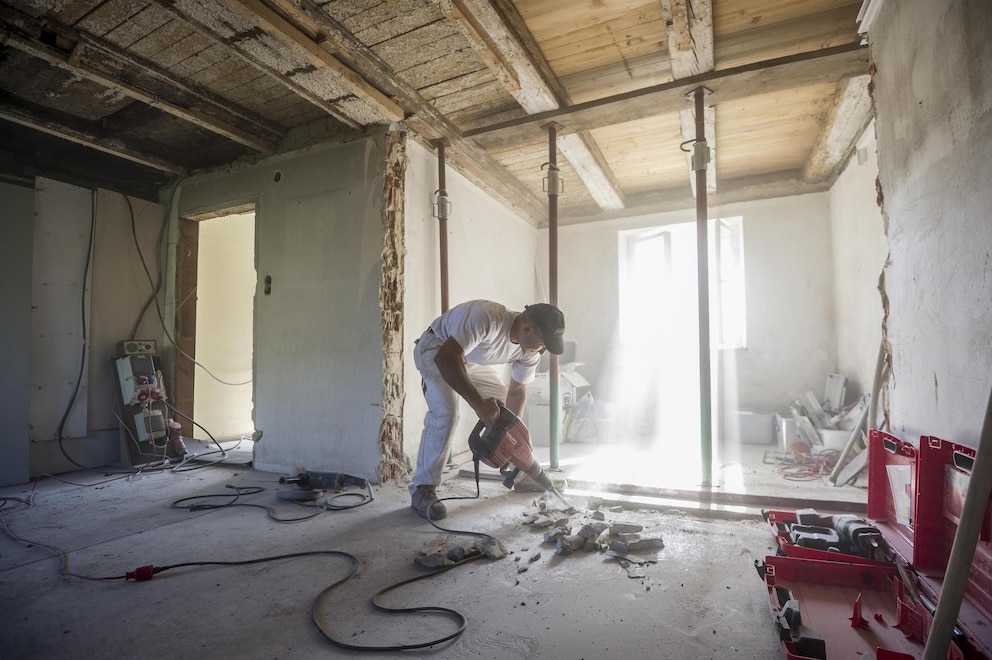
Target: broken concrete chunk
556 533
534 557
442 550
439 543
598 515
618 546
491 547
645 544
568 544
625 528
590 532
632 558
627 537
634 570
521 569
542 521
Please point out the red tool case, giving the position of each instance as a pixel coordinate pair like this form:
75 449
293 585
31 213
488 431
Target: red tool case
829 604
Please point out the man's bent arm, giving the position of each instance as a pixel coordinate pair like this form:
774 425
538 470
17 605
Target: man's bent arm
450 361
516 397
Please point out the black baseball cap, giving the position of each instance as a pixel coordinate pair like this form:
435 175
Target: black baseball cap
551 322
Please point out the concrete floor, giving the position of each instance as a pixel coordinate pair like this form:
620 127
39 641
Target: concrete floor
702 599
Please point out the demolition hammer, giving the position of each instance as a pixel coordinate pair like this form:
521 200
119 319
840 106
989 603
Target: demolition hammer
506 443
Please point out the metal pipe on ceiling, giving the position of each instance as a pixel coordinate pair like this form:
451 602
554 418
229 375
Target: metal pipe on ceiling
554 189
700 158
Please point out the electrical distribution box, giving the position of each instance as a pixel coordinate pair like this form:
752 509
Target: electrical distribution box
142 397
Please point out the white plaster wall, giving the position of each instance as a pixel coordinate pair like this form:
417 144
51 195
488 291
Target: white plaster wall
119 289
789 290
318 350
491 254
64 225
860 251
933 94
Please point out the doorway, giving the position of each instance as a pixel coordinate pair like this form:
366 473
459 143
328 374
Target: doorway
215 320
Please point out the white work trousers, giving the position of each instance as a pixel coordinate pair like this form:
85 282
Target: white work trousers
442 408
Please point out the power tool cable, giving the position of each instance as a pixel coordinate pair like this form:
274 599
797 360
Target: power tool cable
444 611
145 573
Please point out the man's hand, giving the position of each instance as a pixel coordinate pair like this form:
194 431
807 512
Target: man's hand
488 412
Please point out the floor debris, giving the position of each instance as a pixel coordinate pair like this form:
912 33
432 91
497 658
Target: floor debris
442 550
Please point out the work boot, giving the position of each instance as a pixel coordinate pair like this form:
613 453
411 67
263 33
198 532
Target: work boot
426 504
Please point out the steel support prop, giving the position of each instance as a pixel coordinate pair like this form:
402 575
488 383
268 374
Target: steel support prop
554 189
700 158
442 220
443 205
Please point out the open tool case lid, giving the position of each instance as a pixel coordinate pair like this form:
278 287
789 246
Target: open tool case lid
915 498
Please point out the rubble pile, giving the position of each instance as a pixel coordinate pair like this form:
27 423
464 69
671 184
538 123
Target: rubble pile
618 539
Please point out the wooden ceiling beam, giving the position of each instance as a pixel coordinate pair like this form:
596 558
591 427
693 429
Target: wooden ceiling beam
87 138
827 65
480 41
513 64
689 28
222 24
735 191
92 58
847 119
266 19
464 155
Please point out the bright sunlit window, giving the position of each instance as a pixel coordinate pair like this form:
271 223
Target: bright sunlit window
659 324
729 320
659 267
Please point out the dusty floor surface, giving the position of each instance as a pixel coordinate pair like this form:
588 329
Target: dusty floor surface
701 599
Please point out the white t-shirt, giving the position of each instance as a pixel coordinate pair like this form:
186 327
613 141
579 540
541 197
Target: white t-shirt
482 329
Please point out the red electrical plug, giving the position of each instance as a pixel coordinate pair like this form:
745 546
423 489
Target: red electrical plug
141 573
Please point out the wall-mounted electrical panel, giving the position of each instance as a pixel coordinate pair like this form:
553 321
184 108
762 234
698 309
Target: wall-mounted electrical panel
142 397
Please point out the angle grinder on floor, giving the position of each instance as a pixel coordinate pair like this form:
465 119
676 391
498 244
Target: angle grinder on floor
308 486
506 443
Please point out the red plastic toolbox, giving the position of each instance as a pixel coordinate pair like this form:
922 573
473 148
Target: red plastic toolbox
915 499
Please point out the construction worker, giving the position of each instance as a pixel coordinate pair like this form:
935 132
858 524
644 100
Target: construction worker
454 356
